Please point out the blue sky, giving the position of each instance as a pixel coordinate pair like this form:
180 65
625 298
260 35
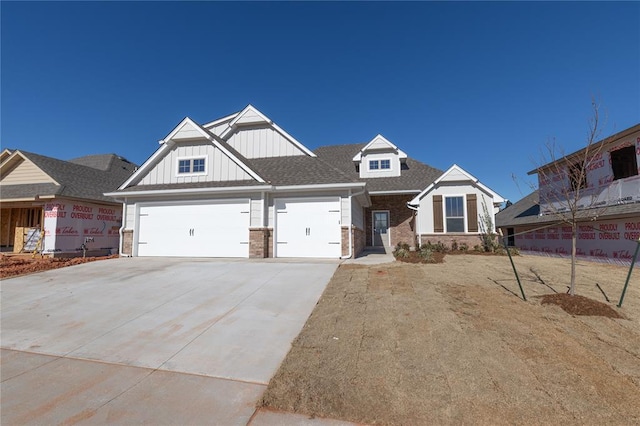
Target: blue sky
481 84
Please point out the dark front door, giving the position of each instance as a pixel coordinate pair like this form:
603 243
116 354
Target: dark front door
381 228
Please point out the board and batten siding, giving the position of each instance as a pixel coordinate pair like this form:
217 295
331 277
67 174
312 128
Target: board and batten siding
426 214
219 167
25 172
262 142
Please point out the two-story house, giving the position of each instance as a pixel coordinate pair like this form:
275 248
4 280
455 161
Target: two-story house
608 204
241 186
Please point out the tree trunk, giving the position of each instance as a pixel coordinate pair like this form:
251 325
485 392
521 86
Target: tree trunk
574 229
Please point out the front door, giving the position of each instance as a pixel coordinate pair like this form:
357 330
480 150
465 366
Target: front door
381 228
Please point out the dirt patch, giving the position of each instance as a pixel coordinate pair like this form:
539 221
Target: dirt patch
454 343
11 266
580 305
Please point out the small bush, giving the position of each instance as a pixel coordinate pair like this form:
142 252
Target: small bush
464 247
440 248
454 245
402 250
478 247
426 253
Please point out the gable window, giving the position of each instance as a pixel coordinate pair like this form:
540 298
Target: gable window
577 177
187 166
624 163
380 164
454 214
198 165
184 166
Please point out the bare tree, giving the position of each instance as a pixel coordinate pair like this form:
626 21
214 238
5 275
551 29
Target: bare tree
564 190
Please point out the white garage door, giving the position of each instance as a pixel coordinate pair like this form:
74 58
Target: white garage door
215 229
308 228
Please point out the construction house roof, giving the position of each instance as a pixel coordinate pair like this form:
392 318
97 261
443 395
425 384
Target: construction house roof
84 177
527 212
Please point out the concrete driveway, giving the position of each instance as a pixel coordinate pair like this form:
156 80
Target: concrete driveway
150 340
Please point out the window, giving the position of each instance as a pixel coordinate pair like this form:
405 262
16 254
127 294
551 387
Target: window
184 166
624 163
379 164
577 177
191 165
454 214
198 165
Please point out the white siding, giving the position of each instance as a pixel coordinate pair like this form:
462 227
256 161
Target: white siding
129 219
25 172
262 142
256 212
454 176
219 128
425 214
219 167
394 160
345 208
357 214
188 131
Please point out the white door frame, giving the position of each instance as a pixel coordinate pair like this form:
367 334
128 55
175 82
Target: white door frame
373 226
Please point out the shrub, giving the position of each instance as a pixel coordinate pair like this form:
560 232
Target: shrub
464 247
439 247
426 252
454 245
402 250
478 247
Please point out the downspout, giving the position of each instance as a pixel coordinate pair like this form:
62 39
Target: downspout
414 208
351 224
121 231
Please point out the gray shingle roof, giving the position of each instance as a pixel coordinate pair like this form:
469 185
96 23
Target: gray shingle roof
29 191
298 170
416 176
76 180
527 210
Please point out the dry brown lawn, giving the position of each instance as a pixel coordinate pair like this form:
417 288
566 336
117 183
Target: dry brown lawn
453 343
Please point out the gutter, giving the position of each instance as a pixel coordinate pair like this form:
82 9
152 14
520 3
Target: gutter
257 188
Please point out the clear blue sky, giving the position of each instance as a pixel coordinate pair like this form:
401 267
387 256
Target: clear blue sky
483 85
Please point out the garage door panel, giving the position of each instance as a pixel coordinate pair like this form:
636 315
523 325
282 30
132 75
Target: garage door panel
219 229
308 228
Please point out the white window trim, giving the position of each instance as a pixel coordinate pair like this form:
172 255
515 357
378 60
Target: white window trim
379 161
191 158
464 210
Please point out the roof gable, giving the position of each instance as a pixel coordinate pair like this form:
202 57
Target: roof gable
18 169
189 131
65 179
379 143
456 173
6 153
250 116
